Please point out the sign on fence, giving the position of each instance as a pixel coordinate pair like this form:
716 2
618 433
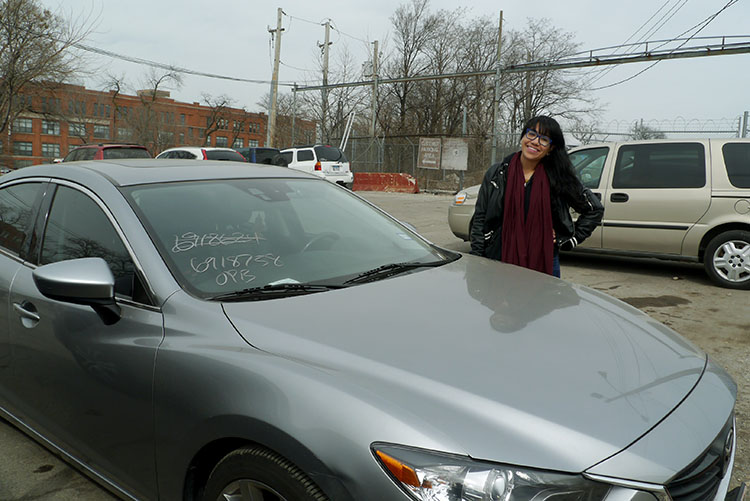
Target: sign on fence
429 153
455 155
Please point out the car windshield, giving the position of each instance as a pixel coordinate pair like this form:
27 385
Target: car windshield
330 154
126 152
223 236
224 155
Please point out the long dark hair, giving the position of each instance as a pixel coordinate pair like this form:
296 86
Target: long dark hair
557 165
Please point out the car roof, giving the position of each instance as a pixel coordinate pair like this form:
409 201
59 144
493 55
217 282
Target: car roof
195 149
133 171
111 145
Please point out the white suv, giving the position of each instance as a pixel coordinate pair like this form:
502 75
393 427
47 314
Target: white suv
328 162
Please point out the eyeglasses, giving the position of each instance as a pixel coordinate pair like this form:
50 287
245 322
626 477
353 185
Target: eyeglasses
544 141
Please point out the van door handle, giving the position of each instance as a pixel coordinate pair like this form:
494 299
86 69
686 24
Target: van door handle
619 197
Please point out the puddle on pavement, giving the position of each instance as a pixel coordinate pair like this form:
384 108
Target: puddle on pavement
655 301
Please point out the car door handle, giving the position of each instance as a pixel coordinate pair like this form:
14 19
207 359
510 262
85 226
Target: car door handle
619 197
27 310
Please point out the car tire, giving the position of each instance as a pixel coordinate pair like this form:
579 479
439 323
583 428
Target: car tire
727 259
254 473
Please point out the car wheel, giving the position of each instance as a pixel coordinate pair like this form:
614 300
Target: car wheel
727 259
255 474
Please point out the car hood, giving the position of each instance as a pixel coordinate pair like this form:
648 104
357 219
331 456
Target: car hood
509 364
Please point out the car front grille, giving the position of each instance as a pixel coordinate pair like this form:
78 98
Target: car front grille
700 480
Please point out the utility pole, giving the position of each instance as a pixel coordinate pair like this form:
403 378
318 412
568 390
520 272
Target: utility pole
745 126
324 92
496 99
374 87
274 80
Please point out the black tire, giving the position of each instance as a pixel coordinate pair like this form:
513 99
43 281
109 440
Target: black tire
257 474
727 259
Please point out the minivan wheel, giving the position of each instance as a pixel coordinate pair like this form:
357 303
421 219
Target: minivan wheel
258 474
727 259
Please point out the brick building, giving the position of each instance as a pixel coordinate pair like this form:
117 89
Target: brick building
56 119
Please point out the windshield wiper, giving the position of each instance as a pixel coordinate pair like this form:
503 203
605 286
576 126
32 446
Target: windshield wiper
271 291
388 270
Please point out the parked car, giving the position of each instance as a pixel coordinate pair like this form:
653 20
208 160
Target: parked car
672 199
202 153
261 155
102 151
328 162
163 331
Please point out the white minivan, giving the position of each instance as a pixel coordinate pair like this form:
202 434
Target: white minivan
328 162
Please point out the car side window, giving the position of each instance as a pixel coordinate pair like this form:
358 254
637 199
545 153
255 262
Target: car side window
16 210
665 165
588 165
86 154
287 156
737 161
304 155
77 227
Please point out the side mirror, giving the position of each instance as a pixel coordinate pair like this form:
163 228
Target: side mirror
87 281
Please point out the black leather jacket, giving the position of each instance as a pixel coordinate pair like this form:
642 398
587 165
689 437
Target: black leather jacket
487 223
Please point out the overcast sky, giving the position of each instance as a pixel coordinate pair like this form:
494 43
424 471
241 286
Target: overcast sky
231 37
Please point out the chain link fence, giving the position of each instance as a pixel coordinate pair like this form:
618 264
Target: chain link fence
399 154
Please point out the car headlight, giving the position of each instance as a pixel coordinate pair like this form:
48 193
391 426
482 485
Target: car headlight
435 476
460 198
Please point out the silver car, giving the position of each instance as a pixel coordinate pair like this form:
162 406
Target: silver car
230 331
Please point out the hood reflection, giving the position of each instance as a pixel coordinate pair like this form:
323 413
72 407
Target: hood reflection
520 297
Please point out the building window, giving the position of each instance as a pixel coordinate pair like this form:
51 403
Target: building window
50 150
221 141
190 132
22 125
77 129
101 131
208 140
50 105
182 138
238 143
182 119
252 143
22 148
50 127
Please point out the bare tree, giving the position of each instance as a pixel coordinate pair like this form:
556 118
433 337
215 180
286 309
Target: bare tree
555 92
218 117
149 123
35 49
414 26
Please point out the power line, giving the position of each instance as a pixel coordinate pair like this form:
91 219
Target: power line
169 67
704 23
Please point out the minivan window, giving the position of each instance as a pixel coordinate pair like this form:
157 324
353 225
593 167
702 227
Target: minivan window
665 165
303 155
588 165
737 161
330 154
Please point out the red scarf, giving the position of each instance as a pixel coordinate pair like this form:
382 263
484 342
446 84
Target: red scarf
527 243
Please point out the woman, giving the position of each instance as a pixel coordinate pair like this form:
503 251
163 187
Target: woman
522 213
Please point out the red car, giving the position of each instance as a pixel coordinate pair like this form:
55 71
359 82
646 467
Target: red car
107 151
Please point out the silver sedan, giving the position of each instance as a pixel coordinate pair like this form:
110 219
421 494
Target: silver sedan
225 332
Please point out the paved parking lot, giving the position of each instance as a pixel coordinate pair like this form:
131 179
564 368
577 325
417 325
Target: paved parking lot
676 294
